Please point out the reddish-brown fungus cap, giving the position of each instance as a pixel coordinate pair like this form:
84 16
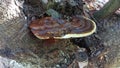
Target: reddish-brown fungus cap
48 27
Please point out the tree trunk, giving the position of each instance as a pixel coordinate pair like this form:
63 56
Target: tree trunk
18 43
108 9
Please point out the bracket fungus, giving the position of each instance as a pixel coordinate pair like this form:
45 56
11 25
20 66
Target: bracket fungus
48 27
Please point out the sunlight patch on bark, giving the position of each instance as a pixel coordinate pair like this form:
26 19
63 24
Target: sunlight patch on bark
11 10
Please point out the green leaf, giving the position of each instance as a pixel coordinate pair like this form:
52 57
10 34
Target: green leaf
53 13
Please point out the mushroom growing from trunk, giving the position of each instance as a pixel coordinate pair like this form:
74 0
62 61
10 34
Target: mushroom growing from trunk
48 27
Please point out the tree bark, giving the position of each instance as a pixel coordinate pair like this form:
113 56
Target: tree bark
18 43
108 9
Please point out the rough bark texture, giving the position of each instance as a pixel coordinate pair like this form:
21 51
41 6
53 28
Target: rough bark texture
18 43
11 28
108 9
109 31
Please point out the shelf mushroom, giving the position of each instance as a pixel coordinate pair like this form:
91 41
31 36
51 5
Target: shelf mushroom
48 27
